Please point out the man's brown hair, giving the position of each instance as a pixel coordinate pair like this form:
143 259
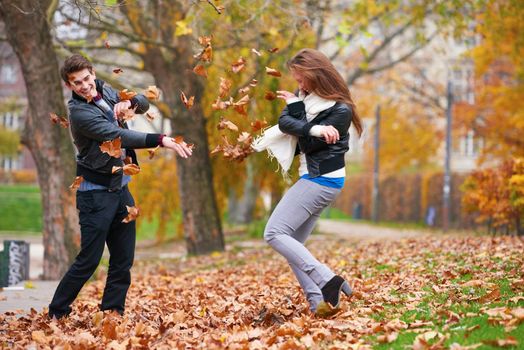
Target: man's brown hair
74 64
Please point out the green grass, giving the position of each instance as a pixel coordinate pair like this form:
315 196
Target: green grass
20 209
21 214
473 327
146 230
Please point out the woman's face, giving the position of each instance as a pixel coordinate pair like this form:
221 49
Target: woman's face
302 83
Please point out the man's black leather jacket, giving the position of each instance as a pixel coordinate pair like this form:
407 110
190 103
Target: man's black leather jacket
90 126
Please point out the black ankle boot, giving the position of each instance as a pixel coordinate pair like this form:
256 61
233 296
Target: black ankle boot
331 291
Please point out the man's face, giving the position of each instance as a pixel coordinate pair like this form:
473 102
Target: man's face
83 83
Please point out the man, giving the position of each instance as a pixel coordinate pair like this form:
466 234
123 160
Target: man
101 199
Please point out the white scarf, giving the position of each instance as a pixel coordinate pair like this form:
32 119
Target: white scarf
282 146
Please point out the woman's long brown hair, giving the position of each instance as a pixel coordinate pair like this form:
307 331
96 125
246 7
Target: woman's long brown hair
323 79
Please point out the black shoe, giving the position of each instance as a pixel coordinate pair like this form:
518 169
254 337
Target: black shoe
331 291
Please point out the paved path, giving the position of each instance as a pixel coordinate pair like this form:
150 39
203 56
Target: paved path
362 231
37 297
41 292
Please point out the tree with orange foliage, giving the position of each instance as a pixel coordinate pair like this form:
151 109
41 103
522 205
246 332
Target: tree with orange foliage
496 195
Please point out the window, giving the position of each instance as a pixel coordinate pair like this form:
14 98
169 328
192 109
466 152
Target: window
10 120
8 74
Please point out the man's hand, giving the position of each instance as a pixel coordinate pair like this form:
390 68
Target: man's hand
121 107
180 148
330 134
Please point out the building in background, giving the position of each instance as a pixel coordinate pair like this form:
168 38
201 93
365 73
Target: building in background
13 107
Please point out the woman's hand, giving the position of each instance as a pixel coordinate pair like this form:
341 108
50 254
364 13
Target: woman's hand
285 95
330 134
181 149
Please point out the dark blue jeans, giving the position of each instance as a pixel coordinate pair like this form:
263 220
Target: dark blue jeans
101 213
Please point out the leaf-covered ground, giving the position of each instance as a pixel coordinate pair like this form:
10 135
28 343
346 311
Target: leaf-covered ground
424 293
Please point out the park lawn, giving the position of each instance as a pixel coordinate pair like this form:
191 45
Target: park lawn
20 209
426 293
21 215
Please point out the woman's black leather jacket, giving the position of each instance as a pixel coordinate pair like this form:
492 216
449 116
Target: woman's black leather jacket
321 157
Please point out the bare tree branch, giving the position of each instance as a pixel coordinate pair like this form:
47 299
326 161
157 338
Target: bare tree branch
107 26
214 6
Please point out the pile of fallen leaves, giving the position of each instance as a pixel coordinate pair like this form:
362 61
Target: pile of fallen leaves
248 299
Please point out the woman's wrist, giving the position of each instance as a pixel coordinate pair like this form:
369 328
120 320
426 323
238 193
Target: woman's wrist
292 100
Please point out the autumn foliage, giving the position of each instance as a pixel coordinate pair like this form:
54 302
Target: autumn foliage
497 195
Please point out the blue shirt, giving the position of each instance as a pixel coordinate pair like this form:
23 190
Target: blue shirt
333 182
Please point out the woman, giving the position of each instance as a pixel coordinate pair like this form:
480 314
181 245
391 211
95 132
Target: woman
319 117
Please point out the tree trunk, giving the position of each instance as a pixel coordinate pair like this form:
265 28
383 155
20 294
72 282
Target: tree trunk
202 229
28 33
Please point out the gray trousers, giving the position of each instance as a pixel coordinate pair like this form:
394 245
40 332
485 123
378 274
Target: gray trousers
289 227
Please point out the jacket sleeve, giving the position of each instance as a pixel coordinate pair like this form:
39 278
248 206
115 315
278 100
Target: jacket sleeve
340 119
141 103
97 127
292 120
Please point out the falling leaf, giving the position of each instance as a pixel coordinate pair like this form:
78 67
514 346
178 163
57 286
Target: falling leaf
187 102
76 183
273 50
150 116
127 114
133 213
226 124
238 65
152 152
256 52
273 72
204 40
112 147
241 105
129 169
59 120
152 93
118 71
243 101
241 109
270 95
258 125
244 90
126 95
245 137
216 150
219 105
225 86
206 55
200 70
